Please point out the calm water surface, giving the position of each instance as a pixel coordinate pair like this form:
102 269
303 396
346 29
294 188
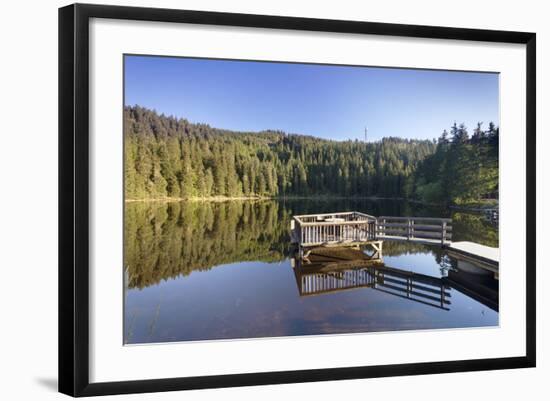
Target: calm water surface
220 270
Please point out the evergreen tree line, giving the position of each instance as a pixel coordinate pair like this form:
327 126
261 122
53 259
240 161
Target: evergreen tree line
463 169
170 157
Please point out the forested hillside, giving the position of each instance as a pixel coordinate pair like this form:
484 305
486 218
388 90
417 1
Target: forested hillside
463 169
169 157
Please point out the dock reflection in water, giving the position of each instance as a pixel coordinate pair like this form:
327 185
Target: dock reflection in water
330 270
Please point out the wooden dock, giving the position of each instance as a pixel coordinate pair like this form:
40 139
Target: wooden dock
353 229
478 254
345 228
472 248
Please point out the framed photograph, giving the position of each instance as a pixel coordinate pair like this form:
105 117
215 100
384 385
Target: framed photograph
251 199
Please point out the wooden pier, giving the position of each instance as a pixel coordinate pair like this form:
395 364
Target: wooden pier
345 229
333 229
354 229
470 252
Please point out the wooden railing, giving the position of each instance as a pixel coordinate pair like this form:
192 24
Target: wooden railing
355 227
344 216
428 228
333 228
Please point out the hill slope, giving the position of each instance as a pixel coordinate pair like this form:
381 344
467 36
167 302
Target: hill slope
168 157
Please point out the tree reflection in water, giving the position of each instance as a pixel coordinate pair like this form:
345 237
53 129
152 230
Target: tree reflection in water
164 240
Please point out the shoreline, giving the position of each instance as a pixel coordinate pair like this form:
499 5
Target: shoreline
262 198
201 199
475 208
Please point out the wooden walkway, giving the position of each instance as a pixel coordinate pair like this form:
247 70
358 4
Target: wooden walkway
478 254
472 248
423 241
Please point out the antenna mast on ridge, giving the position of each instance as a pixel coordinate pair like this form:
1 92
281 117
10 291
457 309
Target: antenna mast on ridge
365 134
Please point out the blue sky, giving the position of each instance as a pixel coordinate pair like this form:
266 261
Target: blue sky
333 102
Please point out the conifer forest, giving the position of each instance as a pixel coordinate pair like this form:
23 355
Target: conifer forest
167 157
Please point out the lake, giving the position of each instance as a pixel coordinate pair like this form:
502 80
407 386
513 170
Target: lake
227 270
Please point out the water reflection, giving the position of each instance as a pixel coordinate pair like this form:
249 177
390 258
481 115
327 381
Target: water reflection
167 240
327 271
212 270
330 270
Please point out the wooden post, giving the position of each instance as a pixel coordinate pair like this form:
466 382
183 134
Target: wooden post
443 232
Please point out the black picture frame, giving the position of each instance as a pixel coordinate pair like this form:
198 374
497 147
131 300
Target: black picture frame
74 198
